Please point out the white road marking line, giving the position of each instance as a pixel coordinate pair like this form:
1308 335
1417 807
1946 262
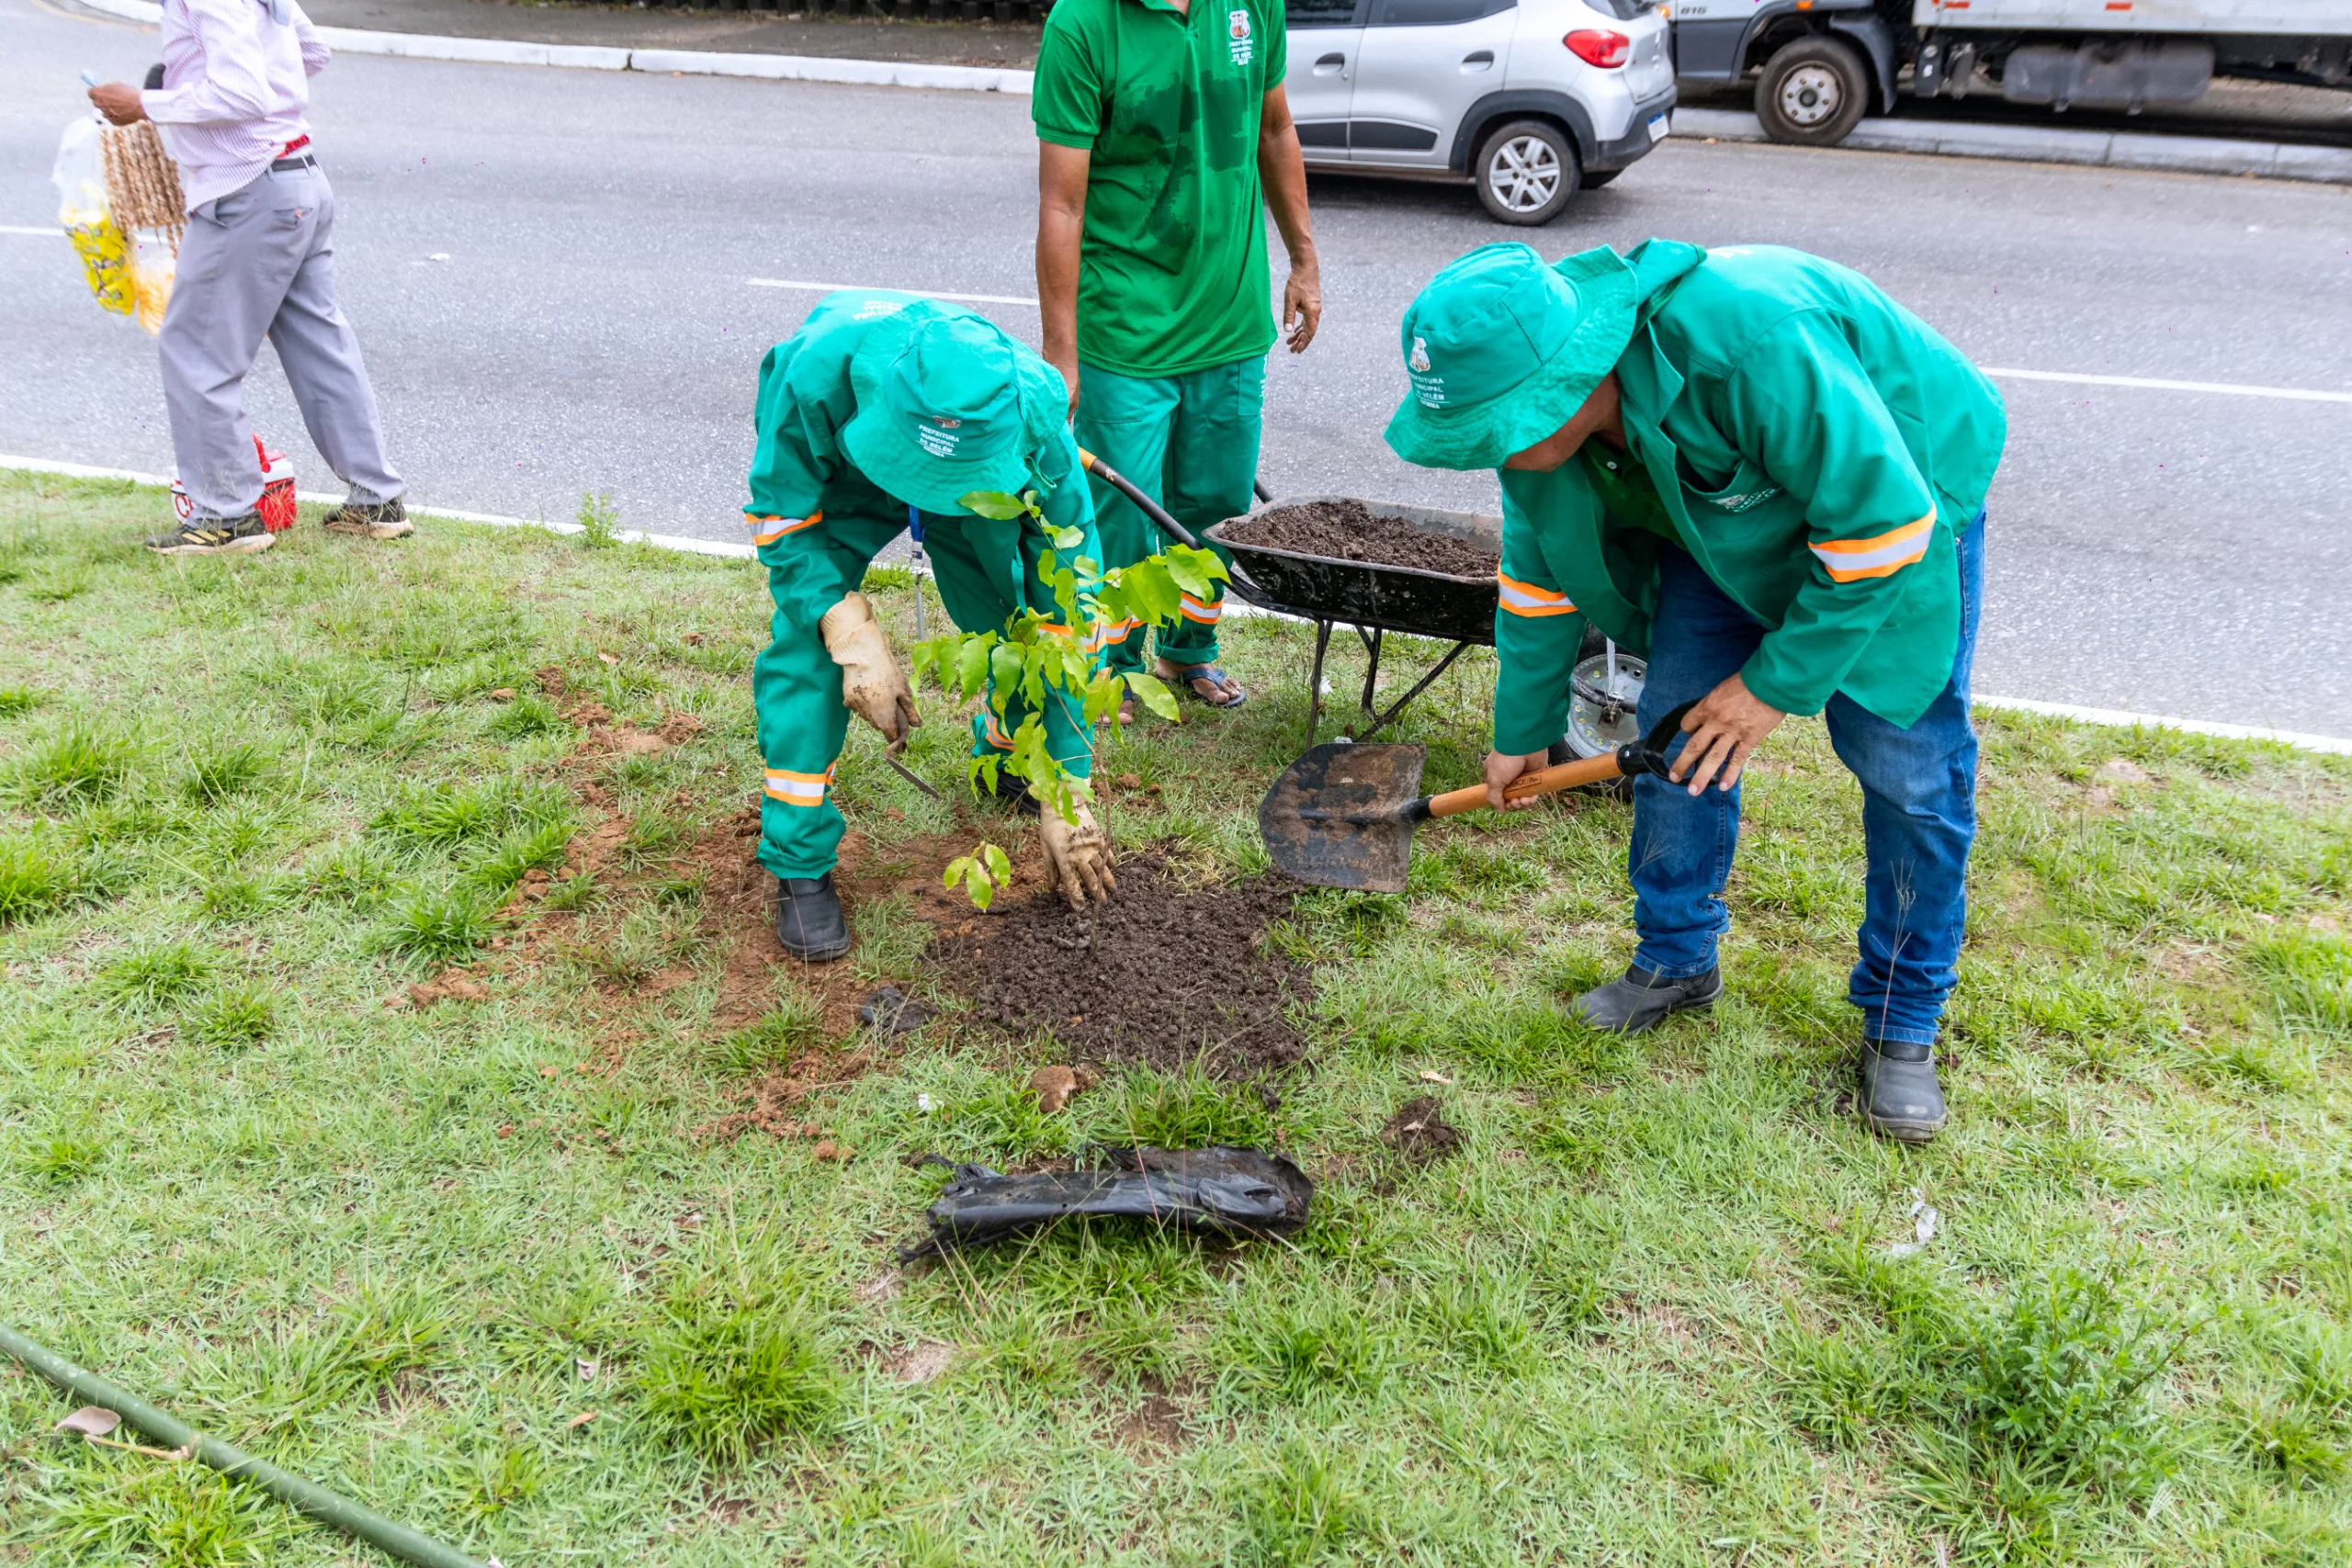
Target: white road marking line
926 293
2121 719
2151 383
53 232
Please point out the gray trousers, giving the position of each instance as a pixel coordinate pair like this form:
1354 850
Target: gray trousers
260 263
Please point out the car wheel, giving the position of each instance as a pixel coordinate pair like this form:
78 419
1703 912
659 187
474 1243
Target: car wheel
1812 93
1527 172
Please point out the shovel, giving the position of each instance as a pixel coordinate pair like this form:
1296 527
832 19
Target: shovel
1343 816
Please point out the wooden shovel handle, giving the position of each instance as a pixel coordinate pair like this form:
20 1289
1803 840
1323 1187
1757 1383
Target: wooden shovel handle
1544 781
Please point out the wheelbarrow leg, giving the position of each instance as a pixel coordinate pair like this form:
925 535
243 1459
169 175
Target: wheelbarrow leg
1315 681
1371 674
1383 721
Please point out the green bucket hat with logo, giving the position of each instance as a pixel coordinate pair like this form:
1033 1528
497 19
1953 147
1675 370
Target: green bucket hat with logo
1501 349
948 405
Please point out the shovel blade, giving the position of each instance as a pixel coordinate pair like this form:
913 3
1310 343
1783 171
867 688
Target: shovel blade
1336 818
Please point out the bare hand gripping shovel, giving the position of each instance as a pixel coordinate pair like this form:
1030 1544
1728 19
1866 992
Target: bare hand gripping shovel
1343 816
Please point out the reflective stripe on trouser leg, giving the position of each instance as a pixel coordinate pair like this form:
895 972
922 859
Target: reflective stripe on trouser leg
796 689
1211 463
1126 421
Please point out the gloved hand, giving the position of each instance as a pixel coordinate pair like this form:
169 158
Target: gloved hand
1077 857
873 686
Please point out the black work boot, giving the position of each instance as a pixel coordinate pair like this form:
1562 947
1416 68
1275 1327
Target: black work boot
1640 1000
1901 1099
809 918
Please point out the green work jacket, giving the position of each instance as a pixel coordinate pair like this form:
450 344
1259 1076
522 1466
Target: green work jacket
1816 447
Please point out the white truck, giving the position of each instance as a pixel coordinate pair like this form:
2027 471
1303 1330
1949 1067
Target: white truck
1818 65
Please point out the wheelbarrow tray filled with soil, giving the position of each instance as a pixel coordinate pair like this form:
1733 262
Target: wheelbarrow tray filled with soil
1335 559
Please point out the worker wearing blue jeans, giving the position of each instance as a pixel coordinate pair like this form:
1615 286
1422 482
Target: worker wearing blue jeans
1918 811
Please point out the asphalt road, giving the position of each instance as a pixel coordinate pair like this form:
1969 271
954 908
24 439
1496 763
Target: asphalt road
592 328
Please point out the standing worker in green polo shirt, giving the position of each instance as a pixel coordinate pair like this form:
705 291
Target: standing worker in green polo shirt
884 411
1754 467
1164 133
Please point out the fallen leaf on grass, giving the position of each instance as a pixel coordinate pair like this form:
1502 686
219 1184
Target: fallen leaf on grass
91 1421
1433 1076
546 1070
504 695
581 1419
609 657
1053 1088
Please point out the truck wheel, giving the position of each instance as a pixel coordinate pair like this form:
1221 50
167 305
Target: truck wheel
1812 93
1526 173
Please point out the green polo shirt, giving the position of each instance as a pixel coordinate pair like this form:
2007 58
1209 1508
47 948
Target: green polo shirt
1173 268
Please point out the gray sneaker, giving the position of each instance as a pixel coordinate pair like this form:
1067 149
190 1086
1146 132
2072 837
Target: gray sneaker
371 520
215 537
1900 1098
1640 1000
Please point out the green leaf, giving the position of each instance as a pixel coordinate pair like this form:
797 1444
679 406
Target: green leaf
992 504
972 662
1153 693
1065 539
999 863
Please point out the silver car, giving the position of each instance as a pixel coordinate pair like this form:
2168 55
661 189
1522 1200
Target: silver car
1527 100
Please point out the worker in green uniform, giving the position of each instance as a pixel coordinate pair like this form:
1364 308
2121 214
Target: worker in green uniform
1754 467
883 411
1164 133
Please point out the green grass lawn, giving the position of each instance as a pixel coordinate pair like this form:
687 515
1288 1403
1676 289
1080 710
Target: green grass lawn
1666 1305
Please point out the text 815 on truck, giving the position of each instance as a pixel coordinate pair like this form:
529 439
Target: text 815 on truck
1818 65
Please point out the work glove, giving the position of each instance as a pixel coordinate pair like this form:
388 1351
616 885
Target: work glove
1077 857
873 687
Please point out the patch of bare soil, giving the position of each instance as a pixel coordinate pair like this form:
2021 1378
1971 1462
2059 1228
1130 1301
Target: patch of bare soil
1349 530
1162 976
1420 1134
1157 1423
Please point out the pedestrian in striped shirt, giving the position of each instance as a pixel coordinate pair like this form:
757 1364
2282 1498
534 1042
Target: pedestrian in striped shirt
258 261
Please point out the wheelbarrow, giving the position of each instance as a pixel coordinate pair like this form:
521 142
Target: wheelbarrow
1373 599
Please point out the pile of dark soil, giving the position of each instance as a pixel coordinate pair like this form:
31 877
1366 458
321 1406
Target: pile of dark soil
1420 1134
1348 530
1162 976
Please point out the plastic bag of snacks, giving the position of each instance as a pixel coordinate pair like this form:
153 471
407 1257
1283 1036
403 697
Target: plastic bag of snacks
81 181
143 197
276 503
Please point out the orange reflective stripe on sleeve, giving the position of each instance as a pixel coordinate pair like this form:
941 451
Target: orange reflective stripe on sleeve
1850 561
798 789
768 530
1526 599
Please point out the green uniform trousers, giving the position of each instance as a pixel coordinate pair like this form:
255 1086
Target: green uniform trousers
987 571
1188 442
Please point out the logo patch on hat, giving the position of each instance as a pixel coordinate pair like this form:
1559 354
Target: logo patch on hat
1429 389
938 436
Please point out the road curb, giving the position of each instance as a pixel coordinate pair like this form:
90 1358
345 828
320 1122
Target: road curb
2107 718
688 62
2055 144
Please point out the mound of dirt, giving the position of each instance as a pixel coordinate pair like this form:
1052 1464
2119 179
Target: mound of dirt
1420 1134
1349 530
1162 976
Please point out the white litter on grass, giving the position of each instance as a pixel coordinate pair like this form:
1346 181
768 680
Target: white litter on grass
925 1104
1923 1221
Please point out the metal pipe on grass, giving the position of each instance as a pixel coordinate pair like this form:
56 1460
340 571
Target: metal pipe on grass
311 1498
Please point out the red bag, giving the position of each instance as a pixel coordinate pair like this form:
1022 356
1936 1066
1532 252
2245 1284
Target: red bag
276 503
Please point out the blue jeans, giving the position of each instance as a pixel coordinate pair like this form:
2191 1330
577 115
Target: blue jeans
1918 811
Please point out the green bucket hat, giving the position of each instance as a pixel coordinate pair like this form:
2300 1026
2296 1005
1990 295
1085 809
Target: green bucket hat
948 405
1501 349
